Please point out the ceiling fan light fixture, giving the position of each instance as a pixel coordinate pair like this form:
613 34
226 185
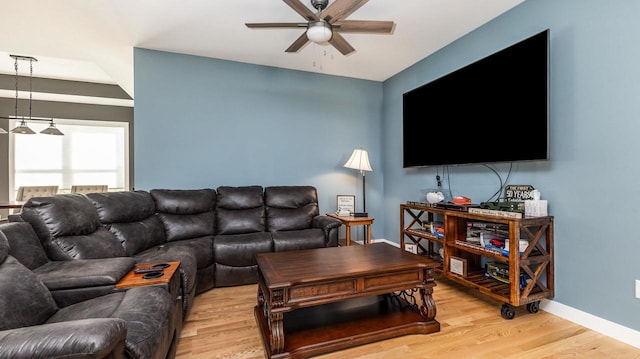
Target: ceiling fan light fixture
319 32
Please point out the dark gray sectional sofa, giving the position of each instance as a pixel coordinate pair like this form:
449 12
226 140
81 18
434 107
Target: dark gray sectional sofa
84 244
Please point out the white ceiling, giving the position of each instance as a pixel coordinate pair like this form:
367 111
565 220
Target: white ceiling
94 40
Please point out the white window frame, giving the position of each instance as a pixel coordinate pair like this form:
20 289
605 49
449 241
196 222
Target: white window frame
37 126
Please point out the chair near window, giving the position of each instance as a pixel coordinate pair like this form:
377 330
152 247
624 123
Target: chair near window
26 192
93 188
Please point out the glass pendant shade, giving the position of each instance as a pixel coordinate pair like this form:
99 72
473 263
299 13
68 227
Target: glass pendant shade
52 130
23 129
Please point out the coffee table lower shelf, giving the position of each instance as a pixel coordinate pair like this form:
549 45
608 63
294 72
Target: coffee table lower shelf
326 328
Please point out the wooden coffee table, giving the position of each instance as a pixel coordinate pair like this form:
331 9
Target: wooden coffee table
321 300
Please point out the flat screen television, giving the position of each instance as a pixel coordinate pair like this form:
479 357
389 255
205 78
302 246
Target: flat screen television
493 110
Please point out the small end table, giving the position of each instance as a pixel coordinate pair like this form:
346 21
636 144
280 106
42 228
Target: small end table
349 221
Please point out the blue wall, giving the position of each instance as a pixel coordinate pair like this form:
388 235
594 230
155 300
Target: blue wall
203 123
591 181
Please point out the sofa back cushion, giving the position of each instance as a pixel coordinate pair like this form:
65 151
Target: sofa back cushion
69 228
24 243
290 207
186 214
24 300
131 217
240 210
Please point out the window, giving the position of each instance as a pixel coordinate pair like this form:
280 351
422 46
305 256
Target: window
90 152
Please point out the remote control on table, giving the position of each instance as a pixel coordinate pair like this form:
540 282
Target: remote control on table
147 270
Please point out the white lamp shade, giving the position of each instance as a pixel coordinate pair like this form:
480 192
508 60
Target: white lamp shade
359 160
3 131
319 32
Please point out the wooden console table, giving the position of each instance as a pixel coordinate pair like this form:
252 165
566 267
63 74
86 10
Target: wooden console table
321 300
349 221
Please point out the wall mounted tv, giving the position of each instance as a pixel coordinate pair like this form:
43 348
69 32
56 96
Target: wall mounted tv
493 110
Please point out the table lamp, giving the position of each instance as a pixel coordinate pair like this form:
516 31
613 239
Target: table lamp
359 160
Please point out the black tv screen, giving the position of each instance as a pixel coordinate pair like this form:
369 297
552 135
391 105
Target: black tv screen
493 110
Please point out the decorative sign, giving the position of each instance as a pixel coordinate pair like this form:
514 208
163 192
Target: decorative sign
411 247
518 192
458 266
346 204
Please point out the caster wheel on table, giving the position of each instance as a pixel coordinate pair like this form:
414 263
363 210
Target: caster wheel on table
508 311
533 307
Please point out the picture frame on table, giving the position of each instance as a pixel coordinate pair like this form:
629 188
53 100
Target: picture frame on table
458 266
411 248
345 204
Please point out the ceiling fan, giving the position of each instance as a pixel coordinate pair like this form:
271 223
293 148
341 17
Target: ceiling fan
325 25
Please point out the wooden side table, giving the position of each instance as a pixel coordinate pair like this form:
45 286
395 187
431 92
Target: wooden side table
349 221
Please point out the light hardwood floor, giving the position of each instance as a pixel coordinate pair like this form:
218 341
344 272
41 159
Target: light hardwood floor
221 325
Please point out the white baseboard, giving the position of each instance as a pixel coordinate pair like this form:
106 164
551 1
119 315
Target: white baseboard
602 326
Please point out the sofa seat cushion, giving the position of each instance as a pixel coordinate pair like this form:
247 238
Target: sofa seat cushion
240 250
201 248
140 235
186 213
90 338
24 243
290 207
181 226
131 217
240 210
68 227
26 301
147 310
83 273
50 215
302 239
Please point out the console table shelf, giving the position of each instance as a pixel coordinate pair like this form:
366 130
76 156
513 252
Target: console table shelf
526 269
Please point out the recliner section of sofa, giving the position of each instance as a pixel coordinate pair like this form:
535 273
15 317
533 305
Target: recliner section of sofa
131 217
241 234
138 323
189 220
293 218
69 228
69 281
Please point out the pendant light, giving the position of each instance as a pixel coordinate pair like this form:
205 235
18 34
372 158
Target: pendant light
23 126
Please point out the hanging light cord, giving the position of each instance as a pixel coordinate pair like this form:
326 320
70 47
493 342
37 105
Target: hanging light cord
16 67
30 84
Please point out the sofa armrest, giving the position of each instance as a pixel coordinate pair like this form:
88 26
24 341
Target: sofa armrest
330 228
87 338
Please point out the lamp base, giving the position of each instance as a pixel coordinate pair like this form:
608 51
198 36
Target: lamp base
360 214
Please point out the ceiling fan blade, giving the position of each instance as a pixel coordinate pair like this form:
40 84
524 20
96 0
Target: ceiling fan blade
340 9
267 25
341 44
380 27
299 43
301 9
